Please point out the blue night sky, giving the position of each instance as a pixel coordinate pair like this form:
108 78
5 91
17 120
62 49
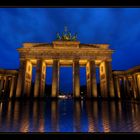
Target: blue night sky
119 27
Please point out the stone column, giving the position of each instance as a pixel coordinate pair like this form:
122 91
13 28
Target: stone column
55 79
88 80
1 85
12 87
76 79
91 79
106 80
6 84
121 81
110 78
117 86
138 83
28 79
135 86
127 88
39 87
21 79
24 79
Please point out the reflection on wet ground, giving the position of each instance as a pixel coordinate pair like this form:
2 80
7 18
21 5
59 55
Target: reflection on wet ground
69 116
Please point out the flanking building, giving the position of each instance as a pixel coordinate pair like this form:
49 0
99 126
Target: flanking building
8 83
127 83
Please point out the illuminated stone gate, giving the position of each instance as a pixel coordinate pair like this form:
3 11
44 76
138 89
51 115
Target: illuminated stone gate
68 52
65 52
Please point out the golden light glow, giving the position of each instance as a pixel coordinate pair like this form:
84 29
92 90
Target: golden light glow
104 46
33 61
97 62
48 62
82 62
65 62
138 75
27 45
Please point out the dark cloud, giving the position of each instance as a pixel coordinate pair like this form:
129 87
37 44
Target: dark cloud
119 27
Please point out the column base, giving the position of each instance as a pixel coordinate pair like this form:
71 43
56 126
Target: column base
77 98
54 98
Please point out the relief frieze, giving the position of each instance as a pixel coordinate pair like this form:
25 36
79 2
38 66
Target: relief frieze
50 54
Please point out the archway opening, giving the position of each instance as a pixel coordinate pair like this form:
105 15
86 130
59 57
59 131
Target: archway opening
65 81
48 81
122 90
98 81
138 82
7 87
83 83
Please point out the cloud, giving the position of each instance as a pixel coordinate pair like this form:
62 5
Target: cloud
119 27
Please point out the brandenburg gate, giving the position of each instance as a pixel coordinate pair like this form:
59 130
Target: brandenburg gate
65 51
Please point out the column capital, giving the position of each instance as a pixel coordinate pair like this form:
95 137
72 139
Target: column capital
2 77
24 59
90 60
124 77
76 60
134 74
115 76
107 61
55 59
40 59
